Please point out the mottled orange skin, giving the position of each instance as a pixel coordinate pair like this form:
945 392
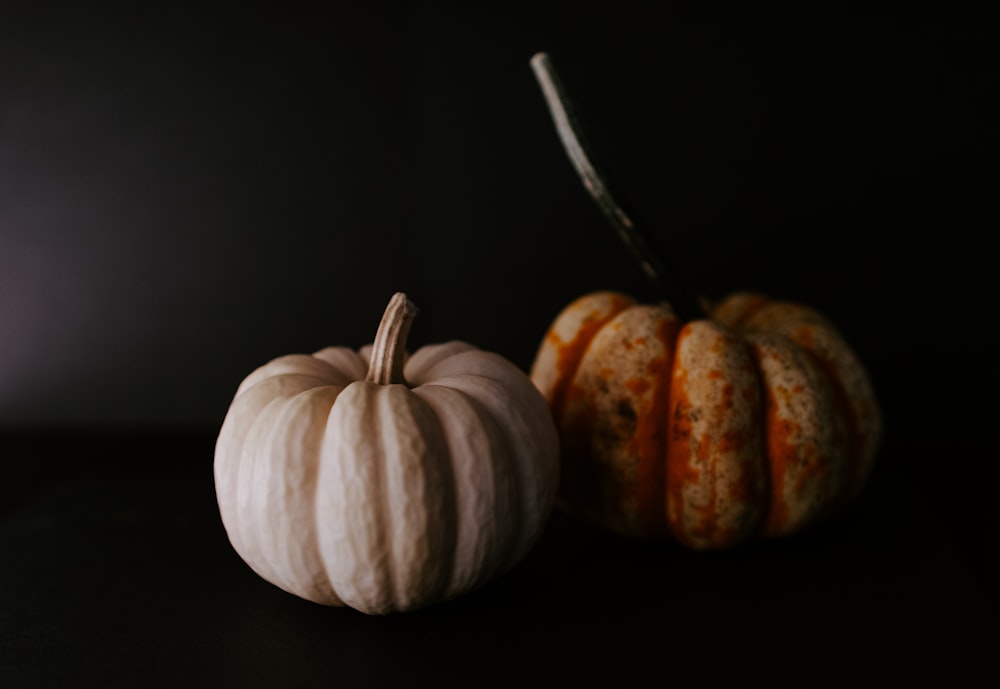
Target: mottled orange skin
609 415
754 422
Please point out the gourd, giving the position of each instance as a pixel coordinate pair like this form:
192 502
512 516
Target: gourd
353 478
708 423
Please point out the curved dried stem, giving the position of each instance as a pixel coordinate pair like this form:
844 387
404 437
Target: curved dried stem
389 348
597 183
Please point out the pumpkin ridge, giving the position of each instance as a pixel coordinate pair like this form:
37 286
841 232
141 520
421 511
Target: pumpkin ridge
571 355
651 438
758 302
513 550
250 466
310 496
473 363
501 400
521 539
348 513
855 440
229 449
275 426
652 502
828 348
374 413
289 379
353 544
765 440
738 308
817 430
503 510
418 477
305 365
715 454
345 361
297 425
419 367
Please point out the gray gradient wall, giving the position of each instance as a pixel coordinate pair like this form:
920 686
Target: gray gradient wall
187 193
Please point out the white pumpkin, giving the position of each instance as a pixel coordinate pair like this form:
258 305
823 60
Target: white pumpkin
386 488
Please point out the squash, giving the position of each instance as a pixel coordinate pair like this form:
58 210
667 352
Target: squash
385 487
711 423
757 420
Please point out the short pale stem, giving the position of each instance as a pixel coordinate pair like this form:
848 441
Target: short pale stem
389 348
597 184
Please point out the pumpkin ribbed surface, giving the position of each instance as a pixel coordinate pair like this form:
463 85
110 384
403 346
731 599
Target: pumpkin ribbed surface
754 422
385 497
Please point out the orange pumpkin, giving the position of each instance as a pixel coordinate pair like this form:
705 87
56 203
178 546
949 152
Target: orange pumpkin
711 424
758 420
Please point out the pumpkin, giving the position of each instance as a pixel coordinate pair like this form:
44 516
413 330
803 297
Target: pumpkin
364 480
757 420
710 424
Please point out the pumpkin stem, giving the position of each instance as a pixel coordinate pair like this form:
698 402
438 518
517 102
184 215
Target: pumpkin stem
597 184
389 348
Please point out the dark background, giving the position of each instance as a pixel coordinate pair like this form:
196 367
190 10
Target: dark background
189 191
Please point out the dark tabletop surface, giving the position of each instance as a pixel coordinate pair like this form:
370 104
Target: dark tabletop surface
115 571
